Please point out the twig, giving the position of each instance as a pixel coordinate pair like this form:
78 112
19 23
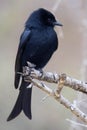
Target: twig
30 75
76 123
56 78
44 98
60 99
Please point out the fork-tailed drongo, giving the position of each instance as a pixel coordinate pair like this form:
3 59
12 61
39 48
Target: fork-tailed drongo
37 44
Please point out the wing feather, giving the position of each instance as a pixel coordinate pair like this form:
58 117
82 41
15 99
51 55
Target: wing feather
18 68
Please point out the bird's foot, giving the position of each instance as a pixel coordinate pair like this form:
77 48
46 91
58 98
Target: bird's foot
28 69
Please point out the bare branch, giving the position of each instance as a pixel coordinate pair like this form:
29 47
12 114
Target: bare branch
76 123
31 74
56 78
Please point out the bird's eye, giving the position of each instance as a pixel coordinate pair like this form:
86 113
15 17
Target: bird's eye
49 20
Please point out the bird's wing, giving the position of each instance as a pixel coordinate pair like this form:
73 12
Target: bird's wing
24 37
18 68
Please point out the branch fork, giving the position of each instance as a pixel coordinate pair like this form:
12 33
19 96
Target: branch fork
36 77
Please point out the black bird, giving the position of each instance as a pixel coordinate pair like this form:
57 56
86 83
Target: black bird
37 44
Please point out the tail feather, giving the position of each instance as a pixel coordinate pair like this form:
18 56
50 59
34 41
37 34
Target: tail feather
23 103
17 108
26 106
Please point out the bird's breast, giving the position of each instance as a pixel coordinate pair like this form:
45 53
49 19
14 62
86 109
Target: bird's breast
40 47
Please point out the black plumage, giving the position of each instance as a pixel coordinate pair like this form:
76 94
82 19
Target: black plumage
37 44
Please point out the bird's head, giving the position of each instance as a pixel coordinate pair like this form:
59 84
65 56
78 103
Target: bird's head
47 18
42 17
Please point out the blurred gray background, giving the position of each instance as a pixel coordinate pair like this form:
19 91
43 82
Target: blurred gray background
49 115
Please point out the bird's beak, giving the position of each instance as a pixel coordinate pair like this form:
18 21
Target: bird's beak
57 24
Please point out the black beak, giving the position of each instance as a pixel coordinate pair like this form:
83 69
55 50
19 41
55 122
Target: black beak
57 24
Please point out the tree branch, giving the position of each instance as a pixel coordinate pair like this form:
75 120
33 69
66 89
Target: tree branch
30 75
